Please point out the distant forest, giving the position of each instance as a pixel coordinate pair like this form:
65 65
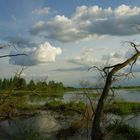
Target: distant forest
17 83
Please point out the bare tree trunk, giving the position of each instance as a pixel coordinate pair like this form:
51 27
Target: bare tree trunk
96 128
96 133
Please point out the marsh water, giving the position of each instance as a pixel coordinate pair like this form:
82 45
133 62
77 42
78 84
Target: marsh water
121 95
128 95
46 124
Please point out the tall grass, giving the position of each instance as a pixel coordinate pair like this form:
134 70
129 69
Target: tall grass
123 108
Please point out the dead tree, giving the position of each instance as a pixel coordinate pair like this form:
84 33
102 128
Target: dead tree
109 73
3 46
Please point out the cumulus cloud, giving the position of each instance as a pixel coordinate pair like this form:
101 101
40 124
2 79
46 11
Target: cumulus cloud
44 53
113 58
88 22
88 58
125 10
38 26
60 28
43 11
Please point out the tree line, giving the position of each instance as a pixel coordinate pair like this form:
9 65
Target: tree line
21 84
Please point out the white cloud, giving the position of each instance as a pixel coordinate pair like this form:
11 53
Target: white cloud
88 58
43 11
60 28
113 58
89 22
39 24
124 10
87 13
44 53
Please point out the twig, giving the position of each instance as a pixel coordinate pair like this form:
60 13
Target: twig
10 55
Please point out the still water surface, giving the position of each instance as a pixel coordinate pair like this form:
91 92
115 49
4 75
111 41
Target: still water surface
121 95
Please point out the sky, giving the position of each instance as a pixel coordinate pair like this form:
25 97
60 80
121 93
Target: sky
62 39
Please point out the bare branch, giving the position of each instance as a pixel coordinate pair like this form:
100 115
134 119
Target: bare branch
10 55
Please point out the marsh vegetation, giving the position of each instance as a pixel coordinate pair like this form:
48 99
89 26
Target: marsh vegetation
28 108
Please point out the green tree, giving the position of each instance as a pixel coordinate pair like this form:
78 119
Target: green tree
0 83
22 83
5 84
31 85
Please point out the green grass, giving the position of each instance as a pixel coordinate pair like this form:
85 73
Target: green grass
43 93
127 87
123 108
66 107
27 107
94 95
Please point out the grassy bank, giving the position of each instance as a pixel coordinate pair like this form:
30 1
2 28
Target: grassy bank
123 108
